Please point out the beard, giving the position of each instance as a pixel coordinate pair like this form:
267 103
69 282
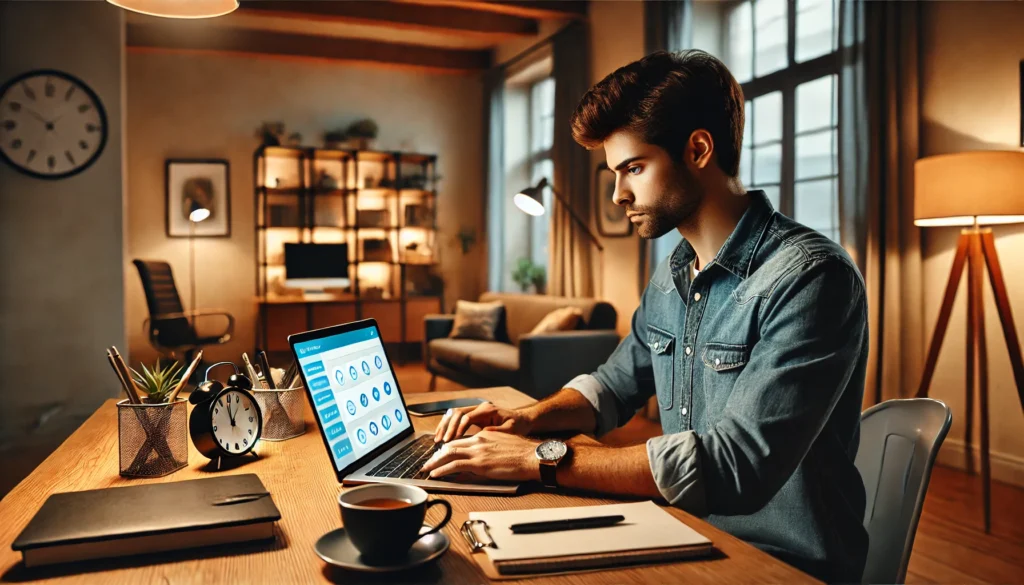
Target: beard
675 206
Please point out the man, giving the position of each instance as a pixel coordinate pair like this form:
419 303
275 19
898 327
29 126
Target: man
752 334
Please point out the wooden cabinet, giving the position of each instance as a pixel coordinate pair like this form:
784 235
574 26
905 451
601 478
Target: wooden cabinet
280 321
415 310
327 314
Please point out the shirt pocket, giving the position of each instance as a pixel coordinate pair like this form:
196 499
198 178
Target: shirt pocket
662 345
723 363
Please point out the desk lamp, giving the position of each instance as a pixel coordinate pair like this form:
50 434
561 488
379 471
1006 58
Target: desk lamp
973 189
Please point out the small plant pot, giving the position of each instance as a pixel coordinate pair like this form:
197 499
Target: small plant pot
152 438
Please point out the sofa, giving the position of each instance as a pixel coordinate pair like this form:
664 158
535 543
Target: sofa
536 364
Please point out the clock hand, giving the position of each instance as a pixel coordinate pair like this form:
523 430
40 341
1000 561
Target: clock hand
36 115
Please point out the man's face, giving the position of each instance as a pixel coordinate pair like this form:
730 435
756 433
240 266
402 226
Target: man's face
658 193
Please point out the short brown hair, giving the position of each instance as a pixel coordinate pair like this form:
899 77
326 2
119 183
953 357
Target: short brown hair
664 97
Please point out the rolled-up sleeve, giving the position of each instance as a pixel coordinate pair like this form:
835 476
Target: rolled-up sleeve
675 463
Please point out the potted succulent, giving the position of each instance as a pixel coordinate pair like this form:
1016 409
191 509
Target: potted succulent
158 383
270 133
152 436
527 273
362 133
335 139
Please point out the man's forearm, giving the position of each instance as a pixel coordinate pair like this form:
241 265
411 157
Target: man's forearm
565 410
624 471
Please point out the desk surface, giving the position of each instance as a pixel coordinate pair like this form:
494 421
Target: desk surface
299 476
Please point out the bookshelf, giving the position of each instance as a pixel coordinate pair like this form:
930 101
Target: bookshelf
382 205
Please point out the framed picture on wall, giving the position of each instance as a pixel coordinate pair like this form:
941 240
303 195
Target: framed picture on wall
198 188
611 218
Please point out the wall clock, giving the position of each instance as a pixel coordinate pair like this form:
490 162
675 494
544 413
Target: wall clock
52 125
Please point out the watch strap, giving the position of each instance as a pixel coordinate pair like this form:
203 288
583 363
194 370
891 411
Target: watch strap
548 474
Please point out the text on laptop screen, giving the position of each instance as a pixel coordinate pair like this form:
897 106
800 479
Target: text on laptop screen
354 392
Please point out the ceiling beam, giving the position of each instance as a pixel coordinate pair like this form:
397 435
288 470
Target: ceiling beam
208 39
450 19
543 9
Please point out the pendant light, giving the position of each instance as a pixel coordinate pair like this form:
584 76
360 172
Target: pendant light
179 8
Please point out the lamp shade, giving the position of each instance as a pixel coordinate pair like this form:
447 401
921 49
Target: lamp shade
956 189
531 199
179 8
197 212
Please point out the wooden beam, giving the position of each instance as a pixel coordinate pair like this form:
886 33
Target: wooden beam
543 9
448 19
177 37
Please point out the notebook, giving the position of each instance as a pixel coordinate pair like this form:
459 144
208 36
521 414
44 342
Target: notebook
648 534
117 522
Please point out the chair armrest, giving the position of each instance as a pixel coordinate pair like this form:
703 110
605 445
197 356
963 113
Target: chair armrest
151 325
436 327
547 361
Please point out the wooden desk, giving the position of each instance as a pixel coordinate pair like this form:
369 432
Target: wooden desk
299 476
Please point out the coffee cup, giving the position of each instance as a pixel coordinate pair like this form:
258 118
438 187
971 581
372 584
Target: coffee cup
385 520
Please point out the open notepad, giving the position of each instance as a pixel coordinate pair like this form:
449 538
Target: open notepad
648 534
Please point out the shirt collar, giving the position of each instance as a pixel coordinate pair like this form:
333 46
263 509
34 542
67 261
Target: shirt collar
738 250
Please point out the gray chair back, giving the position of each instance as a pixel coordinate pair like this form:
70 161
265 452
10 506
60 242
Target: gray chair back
899 440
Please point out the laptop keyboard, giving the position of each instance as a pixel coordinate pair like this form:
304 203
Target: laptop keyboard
407 461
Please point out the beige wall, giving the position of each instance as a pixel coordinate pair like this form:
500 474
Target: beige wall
61 284
209 107
971 101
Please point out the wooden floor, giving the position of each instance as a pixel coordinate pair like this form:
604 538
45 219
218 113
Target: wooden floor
951 545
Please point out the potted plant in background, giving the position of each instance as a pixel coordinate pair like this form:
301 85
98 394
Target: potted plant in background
270 133
335 139
362 134
527 273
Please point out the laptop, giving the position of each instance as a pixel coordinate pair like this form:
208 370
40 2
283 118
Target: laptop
361 412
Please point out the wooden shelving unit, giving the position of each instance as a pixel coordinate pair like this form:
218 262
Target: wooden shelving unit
382 204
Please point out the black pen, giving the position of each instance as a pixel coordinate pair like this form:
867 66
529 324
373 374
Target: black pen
569 524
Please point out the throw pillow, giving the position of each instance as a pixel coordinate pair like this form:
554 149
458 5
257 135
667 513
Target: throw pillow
564 319
476 320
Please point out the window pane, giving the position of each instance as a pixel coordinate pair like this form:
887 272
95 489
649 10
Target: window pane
815 156
815 205
768 118
772 192
770 36
815 29
746 168
816 104
541 224
767 162
740 53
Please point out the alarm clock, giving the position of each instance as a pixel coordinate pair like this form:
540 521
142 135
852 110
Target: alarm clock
226 420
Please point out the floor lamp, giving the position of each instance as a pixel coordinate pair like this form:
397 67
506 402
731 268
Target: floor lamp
196 213
973 189
531 201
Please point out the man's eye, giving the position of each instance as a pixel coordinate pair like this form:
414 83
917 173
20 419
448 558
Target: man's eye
634 170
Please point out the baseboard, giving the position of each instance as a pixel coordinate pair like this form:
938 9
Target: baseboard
1005 467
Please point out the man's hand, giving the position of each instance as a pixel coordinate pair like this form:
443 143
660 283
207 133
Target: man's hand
489 454
456 421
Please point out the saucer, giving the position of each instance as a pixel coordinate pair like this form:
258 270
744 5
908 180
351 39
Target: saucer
336 549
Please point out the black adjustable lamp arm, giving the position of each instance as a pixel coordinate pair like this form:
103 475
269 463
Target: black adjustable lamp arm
572 212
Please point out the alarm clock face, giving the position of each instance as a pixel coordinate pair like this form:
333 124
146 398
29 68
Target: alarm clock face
236 422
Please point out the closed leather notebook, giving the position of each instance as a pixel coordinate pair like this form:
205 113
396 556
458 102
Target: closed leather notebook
147 518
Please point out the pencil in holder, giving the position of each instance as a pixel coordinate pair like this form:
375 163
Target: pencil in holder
152 438
283 416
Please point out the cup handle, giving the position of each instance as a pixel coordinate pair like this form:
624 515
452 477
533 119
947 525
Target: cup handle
442 523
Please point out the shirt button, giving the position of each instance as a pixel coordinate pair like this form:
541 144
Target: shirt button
687 351
683 411
718 362
696 296
656 345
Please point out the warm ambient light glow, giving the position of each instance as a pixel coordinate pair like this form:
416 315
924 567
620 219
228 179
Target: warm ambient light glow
179 8
528 204
199 215
954 189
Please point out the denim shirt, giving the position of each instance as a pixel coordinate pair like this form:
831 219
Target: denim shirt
758 363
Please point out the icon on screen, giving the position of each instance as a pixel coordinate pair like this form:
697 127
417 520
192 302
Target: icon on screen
398 415
374 429
385 422
376 395
352 372
351 407
361 435
377 362
364 400
366 368
387 388
339 377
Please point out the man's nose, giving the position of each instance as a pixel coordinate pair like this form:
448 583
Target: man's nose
622 196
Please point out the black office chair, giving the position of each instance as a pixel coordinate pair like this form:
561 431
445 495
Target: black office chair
169 327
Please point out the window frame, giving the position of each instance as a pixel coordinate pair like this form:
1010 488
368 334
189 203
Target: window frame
534 158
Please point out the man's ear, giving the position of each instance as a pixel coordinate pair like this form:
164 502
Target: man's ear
700 148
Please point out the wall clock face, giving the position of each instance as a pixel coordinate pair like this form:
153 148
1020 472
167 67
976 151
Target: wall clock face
52 125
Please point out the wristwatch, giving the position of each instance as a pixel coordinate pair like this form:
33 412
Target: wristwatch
550 454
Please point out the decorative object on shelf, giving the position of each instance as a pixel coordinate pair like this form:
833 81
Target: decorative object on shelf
227 420
373 218
325 181
373 293
417 253
419 215
270 133
527 273
193 184
376 250
362 133
335 139
54 125
466 237
176 9
295 140
612 221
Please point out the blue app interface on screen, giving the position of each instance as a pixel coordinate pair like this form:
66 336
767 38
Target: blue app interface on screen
353 392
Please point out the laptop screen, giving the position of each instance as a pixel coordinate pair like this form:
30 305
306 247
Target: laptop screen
353 391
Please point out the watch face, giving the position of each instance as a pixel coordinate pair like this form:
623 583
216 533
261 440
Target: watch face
236 422
551 450
52 125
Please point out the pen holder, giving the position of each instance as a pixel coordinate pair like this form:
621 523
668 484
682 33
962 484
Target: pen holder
282 413
152 438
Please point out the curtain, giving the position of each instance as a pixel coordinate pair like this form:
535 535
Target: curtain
494 143
879 142
572 272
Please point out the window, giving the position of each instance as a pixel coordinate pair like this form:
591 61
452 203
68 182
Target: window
542 137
